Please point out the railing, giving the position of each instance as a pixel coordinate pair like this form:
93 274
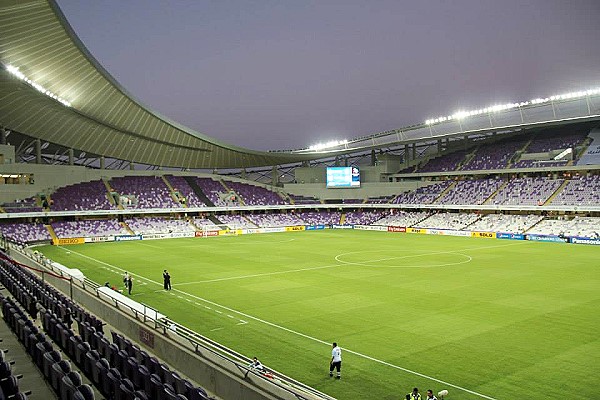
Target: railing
196 342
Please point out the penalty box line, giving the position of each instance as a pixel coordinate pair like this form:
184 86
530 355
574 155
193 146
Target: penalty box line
314 339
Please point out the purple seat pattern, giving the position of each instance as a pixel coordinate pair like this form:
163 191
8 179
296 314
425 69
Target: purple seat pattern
447 162
494 155
580 191
527 191
320 217
178 183
402 218
273 220
215 191
423 195
149 225
448 221
236 221
471 192
255 195
150 191
363 217
81 196
88 228
24 233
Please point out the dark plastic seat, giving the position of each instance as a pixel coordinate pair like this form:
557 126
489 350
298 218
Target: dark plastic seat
69 384
59 369
99 371
84 392
166 375
125 391
140 395
90 360
156 388
9 386
169 393
74 341
41 348
80 352
130 368
113 380
50 358
103 345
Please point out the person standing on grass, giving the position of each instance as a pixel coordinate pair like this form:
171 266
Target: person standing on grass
430 395
167 280
336 361
129 283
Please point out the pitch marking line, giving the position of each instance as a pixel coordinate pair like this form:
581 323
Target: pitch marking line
283 328
340 264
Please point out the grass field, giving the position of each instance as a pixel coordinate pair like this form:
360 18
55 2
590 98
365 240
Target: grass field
494 319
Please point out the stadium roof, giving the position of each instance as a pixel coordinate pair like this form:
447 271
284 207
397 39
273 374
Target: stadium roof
53 89
82 107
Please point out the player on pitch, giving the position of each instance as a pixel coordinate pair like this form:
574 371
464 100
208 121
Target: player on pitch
336 361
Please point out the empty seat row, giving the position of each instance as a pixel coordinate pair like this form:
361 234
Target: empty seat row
119 370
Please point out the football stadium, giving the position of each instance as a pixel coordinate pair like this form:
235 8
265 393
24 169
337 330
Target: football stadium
141 259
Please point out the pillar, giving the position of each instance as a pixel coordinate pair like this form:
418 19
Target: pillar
38 151
71 157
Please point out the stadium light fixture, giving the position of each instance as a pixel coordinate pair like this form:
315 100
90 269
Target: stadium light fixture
15 71
459 115
333 143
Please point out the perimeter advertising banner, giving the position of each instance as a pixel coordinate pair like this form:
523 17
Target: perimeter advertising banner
294 228
510 236
422 231
396 229
584 240
314 227
124 238
66 241
371 227
484 235
546 238
338 226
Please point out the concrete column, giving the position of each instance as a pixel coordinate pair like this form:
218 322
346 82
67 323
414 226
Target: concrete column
131 166
243 174
71 157
414 151
439 145
101 162
2 135
406 160
373 158
38 151
274 175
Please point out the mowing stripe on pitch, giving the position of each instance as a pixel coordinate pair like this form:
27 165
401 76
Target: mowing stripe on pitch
311 337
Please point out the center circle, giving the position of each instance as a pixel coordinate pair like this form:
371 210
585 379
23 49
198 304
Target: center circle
438 259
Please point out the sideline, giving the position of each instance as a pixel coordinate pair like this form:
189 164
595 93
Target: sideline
367 357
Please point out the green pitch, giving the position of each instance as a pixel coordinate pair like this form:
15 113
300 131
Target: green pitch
496 318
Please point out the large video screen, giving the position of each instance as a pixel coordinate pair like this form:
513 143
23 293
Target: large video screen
343 177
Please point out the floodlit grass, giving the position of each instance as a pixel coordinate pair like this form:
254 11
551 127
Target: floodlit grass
495 318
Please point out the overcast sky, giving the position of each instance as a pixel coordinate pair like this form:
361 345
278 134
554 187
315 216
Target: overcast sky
288 74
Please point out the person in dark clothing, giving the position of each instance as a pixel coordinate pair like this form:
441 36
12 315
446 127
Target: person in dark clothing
129 283
167 280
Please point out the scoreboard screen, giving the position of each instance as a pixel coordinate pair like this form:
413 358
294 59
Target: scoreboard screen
343 177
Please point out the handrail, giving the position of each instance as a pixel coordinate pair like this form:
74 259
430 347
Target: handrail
196 340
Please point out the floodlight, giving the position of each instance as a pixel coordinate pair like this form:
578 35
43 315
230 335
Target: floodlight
15 71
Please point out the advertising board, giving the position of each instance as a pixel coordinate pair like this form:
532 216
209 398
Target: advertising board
584 240
484 235
67 241
510 236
